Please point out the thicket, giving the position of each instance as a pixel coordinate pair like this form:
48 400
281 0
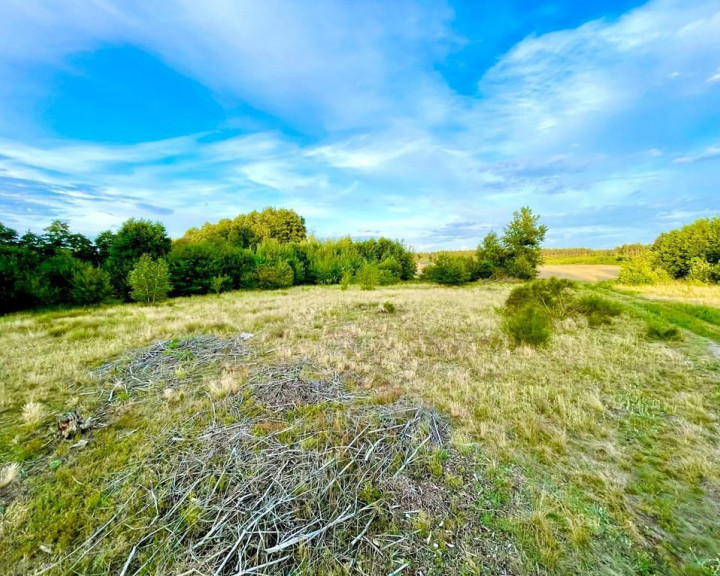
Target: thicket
531 310
517 254
266 250
689 253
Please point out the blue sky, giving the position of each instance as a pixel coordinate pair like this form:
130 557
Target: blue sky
424 120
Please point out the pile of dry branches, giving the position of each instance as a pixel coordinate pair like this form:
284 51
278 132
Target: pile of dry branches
317 493
297 475
235 502
170 362
283 387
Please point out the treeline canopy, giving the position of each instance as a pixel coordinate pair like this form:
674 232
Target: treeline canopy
688 253
267 249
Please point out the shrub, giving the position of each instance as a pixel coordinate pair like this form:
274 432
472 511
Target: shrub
345 280
449 269
387 307
90 285
643 269
550 294
219 283
530 325
484 269
276 275
390 271
149 280
677 250
598 310
522 267
368 276
657 330
700 271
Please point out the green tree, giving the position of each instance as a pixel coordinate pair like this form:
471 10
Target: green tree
247 230
678 250
149 280
135 238
368 276
103 242
491 255
522 239
59 238
8 236
90 285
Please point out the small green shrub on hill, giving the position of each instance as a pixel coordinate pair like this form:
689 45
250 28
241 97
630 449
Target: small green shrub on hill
598 310
554 295
662 331
529 325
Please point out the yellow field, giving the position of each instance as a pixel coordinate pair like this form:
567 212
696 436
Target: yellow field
580 272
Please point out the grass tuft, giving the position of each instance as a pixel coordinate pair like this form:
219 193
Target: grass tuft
662 331
8 474
33 413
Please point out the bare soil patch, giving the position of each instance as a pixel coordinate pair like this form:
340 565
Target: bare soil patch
580 272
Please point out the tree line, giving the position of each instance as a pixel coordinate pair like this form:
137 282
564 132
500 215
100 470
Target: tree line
515 254
267 249
690 253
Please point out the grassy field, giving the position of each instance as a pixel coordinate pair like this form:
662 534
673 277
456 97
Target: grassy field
596 455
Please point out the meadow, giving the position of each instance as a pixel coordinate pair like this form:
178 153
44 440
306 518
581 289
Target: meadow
597 454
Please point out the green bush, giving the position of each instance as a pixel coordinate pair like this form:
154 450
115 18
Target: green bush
90 285
676 251
702 271
529 325
657 330
219 284
522 267
368 276
149 280
554 295
345 280
597 309
643 269
276 275
449 269
484 269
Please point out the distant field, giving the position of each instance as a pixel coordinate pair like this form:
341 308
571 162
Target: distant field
679 291
552 256
596 455
580 272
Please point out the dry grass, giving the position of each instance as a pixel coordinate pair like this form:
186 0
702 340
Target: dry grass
612 439
8 474
32 413
228 384
706 295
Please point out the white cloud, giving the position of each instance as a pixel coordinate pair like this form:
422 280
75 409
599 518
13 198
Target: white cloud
708 154
553 124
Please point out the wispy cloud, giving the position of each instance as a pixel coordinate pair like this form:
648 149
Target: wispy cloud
595 126
708 154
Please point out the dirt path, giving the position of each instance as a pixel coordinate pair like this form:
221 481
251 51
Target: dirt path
581 272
